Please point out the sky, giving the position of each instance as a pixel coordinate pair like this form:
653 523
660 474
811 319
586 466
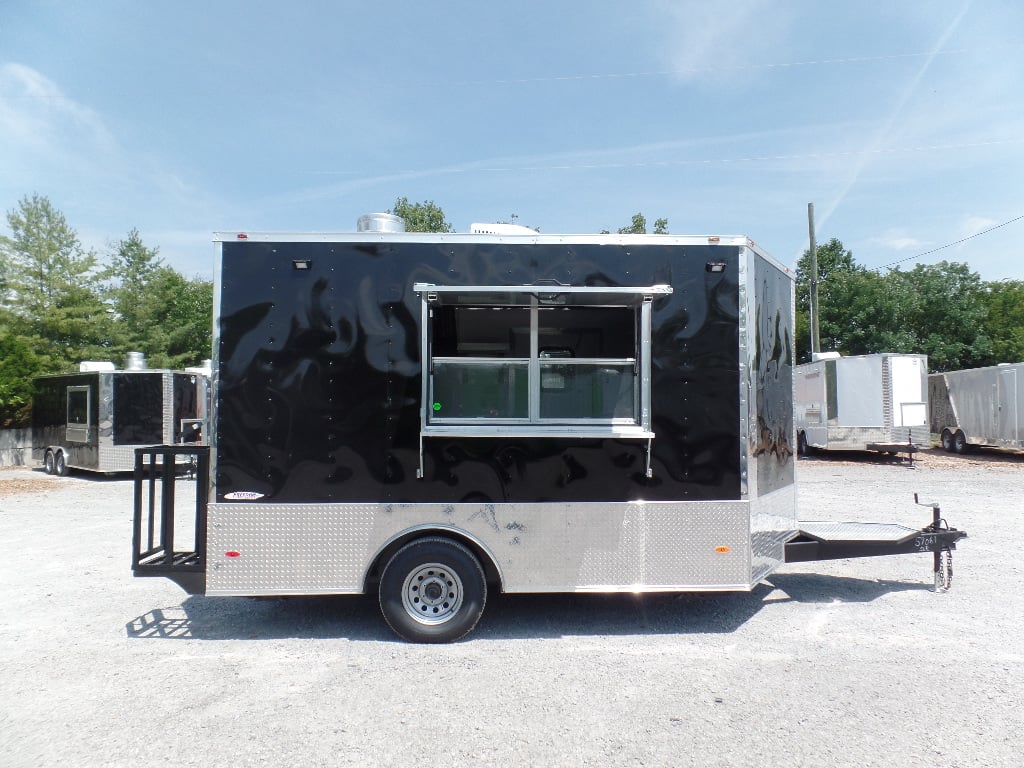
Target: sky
902 122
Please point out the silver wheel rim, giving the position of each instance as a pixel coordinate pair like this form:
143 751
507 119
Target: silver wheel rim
432 594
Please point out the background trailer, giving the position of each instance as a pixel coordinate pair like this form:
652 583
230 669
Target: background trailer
95 419
426 416
979 406
867 402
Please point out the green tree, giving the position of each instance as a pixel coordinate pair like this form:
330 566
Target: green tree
130 270
18 366
947 312
421 217
52 286
865 312
1004 323
836 266
833 258
638 226
157 311
177 318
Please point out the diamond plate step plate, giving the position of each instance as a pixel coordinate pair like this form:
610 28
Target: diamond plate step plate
831 531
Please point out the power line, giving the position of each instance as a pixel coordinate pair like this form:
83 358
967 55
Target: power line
469 168
950 245
697 70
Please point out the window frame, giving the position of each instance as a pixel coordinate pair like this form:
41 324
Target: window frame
536 297
77 431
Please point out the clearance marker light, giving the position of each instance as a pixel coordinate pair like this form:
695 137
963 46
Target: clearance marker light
722 550
232 553
242 236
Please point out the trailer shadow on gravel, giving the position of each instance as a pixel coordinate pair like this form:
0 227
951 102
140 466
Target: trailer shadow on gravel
508 617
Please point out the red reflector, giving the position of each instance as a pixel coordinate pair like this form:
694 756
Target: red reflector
242 236
232 553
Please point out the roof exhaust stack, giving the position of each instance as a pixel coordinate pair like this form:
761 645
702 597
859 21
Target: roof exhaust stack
380 222
136 362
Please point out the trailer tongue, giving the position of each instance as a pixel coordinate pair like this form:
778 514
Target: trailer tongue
839 541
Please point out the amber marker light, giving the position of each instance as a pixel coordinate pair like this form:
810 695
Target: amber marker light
722 550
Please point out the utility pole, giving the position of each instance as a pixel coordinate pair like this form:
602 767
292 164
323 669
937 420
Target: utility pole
815 341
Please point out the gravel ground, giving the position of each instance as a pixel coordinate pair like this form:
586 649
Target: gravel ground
848 663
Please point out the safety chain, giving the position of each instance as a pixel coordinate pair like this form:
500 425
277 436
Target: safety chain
944 578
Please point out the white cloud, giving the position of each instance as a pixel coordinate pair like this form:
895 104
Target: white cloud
35 115
695 33
972 225
897 241
65 150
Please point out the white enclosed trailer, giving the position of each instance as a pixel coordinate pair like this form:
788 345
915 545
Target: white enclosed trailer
978 406
866 402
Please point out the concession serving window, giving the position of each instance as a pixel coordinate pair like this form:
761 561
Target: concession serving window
537 361
79 401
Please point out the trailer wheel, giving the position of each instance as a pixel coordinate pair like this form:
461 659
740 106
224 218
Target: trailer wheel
802 447
48 463
60 464
947 440
960 444
432 591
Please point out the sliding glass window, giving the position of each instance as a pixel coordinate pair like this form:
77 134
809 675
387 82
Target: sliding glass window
537 360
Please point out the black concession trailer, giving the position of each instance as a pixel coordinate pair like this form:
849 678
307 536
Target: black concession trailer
95 419
430 416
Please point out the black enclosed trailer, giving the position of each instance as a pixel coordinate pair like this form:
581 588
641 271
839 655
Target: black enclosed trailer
425 416
96 418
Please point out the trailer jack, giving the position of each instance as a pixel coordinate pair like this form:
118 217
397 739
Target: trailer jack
839 541
943 576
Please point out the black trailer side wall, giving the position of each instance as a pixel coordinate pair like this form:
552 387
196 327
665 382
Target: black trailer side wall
772 450
320 376
50 417
138 412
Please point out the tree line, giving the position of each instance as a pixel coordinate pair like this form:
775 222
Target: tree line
943 310
61 304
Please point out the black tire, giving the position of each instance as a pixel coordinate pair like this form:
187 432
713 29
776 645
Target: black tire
432 591
946 438
960 444
60 464
801 444
48 463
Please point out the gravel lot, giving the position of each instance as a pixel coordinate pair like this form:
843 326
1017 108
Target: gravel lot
849 663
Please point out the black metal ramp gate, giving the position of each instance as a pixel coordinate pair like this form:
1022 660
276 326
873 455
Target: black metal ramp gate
169 527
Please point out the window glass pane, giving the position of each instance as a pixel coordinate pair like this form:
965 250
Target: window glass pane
78 406
480 390
588 331
587 391
481 332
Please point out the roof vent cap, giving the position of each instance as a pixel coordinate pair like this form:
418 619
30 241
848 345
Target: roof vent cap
380 222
